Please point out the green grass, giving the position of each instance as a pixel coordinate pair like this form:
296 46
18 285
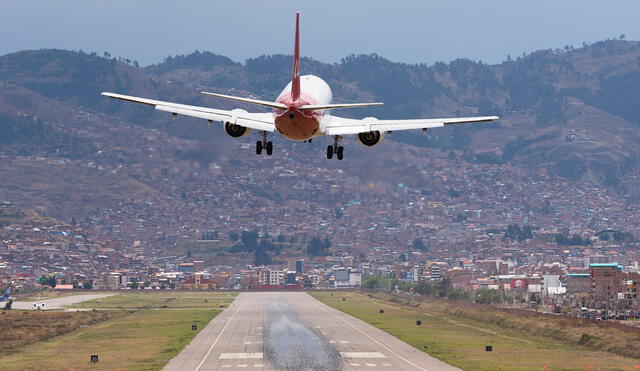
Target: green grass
136 339
27 327
461 341
160 300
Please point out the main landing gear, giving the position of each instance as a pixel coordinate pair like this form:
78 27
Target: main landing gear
335 148
264 144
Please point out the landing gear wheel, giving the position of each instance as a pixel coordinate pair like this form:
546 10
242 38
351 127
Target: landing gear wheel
258 147
329 152
269 148
340 152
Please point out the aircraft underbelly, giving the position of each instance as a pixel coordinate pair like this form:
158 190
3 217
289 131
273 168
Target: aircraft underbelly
296 126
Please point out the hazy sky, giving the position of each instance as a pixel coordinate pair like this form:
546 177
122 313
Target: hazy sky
403 31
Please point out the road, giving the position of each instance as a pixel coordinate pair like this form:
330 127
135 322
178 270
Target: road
294 331
57 303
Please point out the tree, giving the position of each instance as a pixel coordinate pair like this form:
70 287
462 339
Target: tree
339 213
515 232
261 257
233 236
249 240
87 285
419 245
318 246
487 296
47 280
134 285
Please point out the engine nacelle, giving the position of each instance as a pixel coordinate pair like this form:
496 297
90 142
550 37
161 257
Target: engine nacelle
370 138
236 131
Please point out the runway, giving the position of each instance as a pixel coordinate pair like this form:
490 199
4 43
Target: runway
294 331
57 303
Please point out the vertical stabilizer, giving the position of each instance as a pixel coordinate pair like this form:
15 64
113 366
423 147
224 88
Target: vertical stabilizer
7 293
295 83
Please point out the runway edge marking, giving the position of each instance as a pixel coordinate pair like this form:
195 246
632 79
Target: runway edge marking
217 338
367 335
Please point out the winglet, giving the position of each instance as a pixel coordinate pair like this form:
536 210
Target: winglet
295 83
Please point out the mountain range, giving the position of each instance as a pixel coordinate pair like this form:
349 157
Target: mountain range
573 113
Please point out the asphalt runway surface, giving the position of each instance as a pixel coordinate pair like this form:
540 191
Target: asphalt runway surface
57 303
294 331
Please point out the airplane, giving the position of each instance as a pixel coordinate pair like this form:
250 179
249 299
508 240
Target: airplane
301 112
6 296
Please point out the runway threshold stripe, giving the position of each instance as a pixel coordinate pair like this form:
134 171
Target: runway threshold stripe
362 355
241 356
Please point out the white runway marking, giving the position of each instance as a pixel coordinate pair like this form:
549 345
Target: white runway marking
242 366
332 341
362 355
257 365
354 364
226 366
374 339
216 341
371 365
344 342
241 356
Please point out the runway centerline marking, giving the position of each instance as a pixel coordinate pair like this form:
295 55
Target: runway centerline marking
217 338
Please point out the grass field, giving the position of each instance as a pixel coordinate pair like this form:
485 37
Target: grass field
461 341
135 339
26 327
161 300
49 294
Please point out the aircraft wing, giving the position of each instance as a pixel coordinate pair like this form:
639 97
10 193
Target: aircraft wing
258 121
343 126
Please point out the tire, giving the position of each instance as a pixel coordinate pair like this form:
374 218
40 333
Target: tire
258 147
340 152
269 148
329 152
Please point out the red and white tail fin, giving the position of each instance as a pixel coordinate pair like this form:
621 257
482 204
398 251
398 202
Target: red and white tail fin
295 87
295 83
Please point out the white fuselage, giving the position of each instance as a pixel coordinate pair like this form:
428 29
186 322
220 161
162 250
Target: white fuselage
302 125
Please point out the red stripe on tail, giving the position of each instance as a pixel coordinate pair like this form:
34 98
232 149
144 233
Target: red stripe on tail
295 83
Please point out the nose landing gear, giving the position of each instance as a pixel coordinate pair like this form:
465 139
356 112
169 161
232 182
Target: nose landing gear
335 148
264 144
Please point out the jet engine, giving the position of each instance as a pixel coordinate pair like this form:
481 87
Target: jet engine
236 131
370 138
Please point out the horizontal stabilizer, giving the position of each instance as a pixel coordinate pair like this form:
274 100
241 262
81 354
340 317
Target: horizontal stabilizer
338 105
248 100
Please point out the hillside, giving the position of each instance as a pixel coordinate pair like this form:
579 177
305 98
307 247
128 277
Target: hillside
571 113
